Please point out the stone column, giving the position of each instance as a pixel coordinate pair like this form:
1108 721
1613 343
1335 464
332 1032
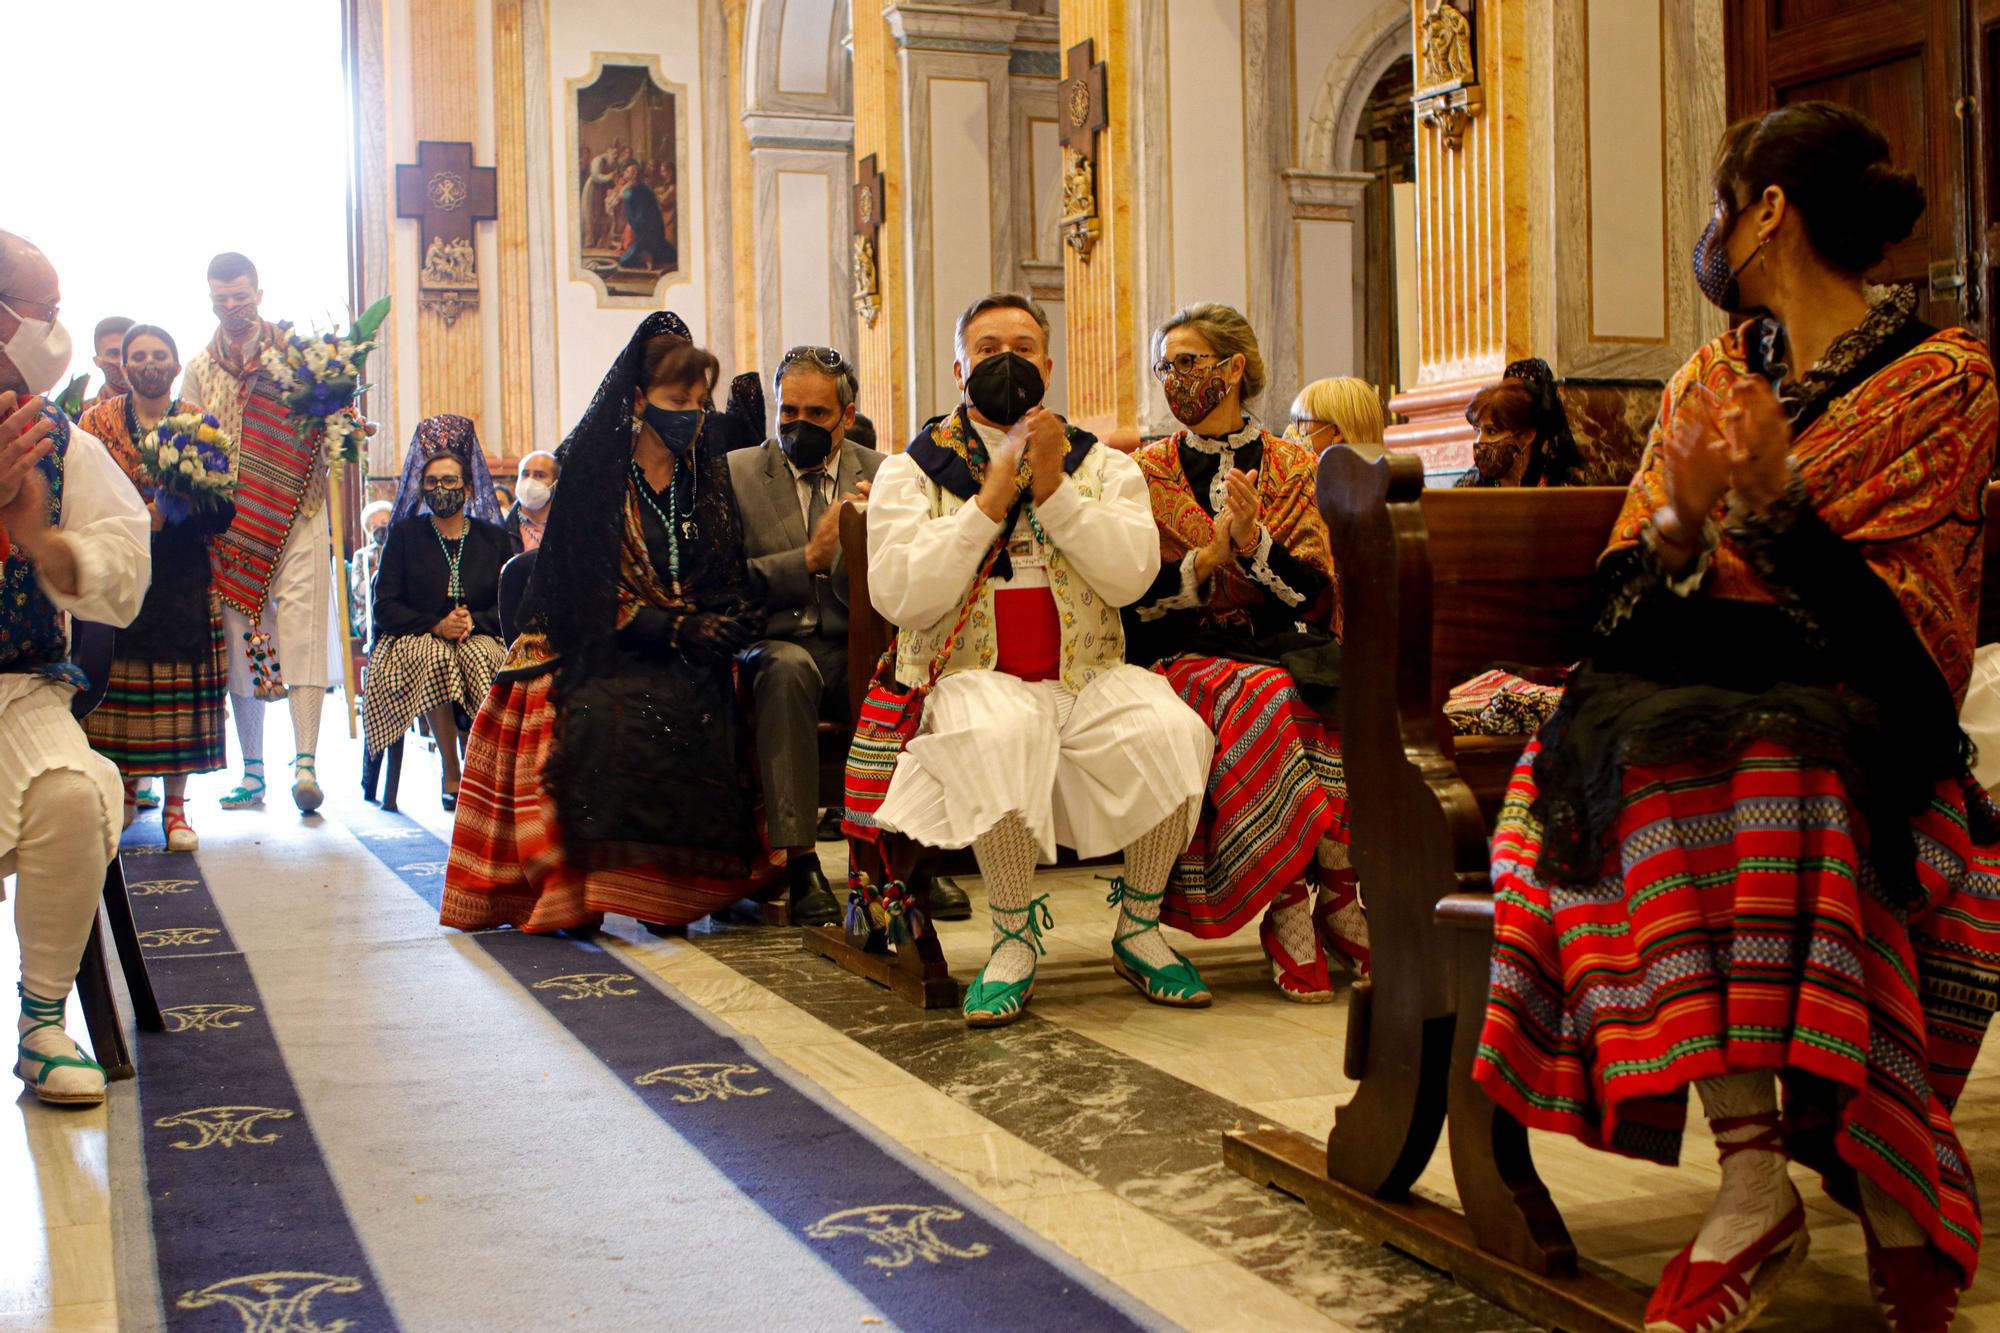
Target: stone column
526 277
444 83
878 130
1105 343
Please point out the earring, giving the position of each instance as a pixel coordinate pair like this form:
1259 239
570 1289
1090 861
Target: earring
638 423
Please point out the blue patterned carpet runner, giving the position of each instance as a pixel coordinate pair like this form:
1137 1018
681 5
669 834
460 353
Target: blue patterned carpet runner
248 1229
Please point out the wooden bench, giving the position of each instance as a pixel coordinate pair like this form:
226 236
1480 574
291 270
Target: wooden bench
1436 586
917 971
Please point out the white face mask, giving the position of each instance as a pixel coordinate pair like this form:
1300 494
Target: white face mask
40 351
534 493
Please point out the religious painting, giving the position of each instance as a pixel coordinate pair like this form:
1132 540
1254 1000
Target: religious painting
628 149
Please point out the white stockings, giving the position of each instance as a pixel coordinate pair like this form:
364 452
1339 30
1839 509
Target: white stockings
1006 856
1148 862
1756 1193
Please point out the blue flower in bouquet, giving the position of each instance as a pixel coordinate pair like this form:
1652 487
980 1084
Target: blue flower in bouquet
173 506
326 399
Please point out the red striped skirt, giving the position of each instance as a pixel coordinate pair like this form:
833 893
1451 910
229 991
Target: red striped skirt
1738 927
164 718
1275 790
507 865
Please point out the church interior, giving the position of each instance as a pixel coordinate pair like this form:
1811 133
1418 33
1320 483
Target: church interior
417 1040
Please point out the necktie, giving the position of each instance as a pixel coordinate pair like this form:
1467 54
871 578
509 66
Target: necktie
815 511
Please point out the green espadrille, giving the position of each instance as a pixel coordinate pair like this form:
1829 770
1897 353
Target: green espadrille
44 1014
1178 986
995 1004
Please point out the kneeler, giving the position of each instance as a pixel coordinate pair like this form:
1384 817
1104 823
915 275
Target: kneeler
915 968
91 647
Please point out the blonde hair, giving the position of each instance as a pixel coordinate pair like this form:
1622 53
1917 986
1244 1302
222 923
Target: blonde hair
1227 334
1349 404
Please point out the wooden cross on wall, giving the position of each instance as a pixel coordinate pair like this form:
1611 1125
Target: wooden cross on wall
1082 114
447 195
868 204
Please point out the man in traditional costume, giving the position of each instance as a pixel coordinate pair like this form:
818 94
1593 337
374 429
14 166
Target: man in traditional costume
1032 534
274 567
73 539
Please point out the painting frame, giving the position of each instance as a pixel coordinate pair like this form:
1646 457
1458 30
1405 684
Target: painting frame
591 260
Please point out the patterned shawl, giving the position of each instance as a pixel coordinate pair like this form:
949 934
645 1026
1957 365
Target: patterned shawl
1287 504
1896 465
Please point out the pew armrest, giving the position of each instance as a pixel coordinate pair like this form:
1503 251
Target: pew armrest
1467 911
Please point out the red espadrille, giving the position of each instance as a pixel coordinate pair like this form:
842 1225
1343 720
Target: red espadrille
1721 1297
1303 982
1916 1286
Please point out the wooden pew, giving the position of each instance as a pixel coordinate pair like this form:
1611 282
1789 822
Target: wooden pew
917 972
1436 586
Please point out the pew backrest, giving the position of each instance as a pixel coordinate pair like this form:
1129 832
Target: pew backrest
868 634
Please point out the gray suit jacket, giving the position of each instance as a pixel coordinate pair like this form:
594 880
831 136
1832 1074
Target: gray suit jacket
774 534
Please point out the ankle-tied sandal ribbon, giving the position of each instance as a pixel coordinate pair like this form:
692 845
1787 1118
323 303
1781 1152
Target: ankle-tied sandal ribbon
990 1004
1177 985
45 1014
1721 1297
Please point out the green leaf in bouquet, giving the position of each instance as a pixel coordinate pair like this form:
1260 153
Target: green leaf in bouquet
70 400
371 320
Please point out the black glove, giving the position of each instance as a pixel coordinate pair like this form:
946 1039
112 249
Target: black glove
708 637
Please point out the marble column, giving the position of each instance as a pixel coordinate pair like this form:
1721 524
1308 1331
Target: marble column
878 131
1475 307
374 220
444 83
524 243
1104 342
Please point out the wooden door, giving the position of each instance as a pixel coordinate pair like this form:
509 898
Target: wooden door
1904 64
1982 23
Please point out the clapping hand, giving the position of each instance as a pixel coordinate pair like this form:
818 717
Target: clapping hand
1047 445
1002 487
1242 505
24 442
1696 467
1760 440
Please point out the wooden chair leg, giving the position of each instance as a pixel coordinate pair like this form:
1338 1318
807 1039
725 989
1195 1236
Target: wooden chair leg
100 1008
125 936
371 772
1504 1200
393 777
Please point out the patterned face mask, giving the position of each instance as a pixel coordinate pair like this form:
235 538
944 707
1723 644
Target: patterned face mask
1193 394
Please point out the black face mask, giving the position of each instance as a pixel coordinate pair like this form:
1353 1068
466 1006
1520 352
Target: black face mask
1712 273
806 444
1004 386
444 501
677 430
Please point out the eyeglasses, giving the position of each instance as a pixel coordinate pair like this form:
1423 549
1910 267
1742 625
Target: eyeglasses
436 485
19 302
1185 363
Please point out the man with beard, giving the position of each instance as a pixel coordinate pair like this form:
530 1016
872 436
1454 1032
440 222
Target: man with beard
73 538
109 342
273 569
1031 534
790 491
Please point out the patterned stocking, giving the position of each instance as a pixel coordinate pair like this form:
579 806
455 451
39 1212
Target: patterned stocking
306 701
1148 862
1006 856
1291 918
1756 1193
1894 1227
249 712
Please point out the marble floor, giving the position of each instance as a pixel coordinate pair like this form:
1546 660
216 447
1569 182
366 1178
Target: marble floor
1096 1122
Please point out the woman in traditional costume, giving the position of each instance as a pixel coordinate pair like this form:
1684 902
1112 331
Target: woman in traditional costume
1747 844
163 708
1245 599
606 770
1524 432
437 595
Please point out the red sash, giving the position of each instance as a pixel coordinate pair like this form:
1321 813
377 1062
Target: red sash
273 471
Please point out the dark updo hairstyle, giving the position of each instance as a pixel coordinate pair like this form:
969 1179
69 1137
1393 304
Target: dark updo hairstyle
670 359
1507 405
1833 164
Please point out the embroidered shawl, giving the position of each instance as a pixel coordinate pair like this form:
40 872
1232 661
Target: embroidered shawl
1287 505
1897 465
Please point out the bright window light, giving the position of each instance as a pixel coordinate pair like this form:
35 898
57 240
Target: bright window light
186 130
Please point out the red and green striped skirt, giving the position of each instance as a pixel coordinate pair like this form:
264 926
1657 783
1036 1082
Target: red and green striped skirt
164 718
507 865
1275 790
1738 926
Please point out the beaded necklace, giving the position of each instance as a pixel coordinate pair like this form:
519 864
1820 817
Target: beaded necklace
645 489
454 553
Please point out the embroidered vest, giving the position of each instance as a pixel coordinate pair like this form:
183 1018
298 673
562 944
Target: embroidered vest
34 636
1093 637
